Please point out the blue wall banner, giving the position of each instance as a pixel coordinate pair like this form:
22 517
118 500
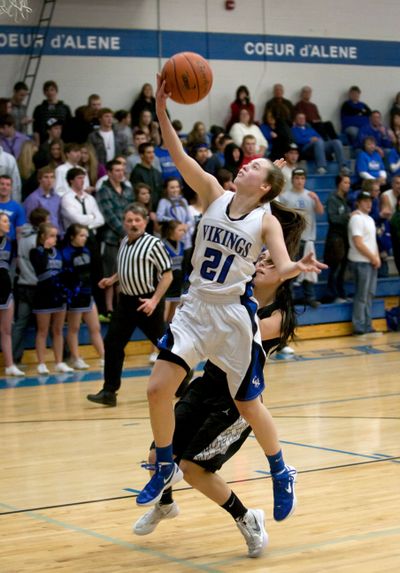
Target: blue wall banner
125 43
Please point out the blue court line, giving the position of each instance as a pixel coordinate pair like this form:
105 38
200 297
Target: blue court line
114 540
334 450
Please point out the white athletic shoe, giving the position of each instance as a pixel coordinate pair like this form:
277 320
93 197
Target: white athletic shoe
153 357
42 369
13 371
62 367
149 521
253 530
79 364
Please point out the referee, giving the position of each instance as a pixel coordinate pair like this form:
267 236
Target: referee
141 261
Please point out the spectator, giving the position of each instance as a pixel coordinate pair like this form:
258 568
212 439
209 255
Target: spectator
11 140
78 206
395 125
354 114
242 101
225 179
291 157
86 119
167 166
281 108
324 128
5 106
249 146
174 207
72 158
27 167
142 195
389 198
56 152
219 142
149 126
395 109
395 233
81 306
107 142
336 243
384 137
311 145
6 298
145 100
51 107
54 133
46 198
144 273
309 205
113 197
26 280
369 164
233 158
8 166
11 208
173 232
93 168
393 159
364 258
134 157
123 125
277 133
246 127
19 109
197 136
144 172
49 301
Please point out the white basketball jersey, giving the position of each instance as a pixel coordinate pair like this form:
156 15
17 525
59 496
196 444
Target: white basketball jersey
226 250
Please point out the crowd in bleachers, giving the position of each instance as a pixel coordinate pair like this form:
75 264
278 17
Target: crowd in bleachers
65 180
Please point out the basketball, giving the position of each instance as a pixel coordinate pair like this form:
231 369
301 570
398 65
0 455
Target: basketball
188 77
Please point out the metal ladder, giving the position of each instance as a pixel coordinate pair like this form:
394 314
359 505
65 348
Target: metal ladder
38 45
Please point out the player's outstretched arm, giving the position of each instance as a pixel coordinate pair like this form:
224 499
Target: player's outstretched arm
274 240
199 180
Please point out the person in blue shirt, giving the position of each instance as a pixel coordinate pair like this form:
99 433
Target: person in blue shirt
6 298
312 146
384 137
369 163
354 114
13 210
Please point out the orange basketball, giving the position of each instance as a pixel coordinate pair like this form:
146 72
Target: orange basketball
188 77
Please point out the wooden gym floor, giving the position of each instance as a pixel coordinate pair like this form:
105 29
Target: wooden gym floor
68 468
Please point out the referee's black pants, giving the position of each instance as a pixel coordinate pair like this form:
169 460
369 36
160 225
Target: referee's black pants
124 321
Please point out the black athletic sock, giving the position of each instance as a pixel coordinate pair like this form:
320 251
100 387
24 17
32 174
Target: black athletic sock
235 507
166 498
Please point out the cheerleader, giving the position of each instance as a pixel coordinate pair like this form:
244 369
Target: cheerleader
172 236
77 268
6 298
50 301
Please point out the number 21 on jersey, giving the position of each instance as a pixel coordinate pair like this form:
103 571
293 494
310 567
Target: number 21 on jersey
215 267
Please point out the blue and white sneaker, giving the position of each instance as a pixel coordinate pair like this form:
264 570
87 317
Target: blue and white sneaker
166 475
284 494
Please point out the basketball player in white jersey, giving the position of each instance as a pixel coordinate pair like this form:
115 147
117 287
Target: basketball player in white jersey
217 317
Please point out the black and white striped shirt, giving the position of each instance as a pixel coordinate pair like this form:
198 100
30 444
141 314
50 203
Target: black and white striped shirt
140 264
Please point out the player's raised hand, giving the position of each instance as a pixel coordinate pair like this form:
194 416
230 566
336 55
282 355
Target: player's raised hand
161 95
